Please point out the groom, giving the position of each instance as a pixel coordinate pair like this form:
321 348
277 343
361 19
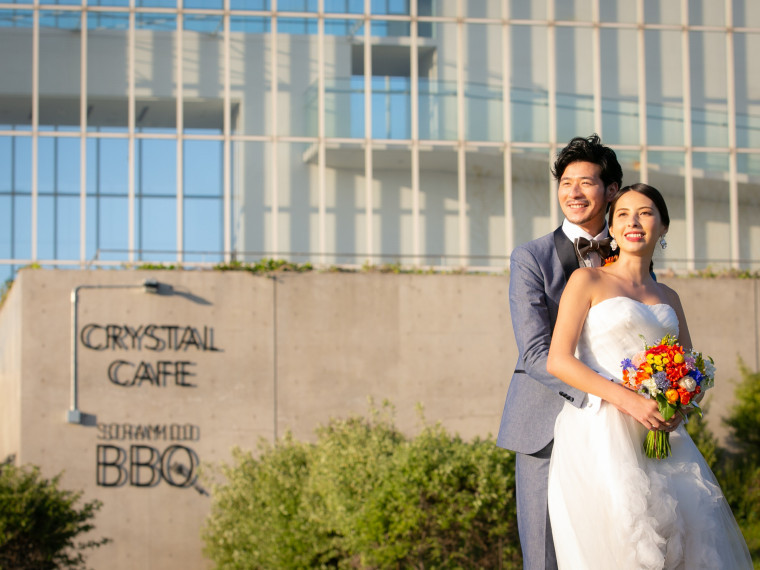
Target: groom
589 175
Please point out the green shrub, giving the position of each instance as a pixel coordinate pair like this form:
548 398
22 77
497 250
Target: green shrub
744 416
366 496
350 459
704 438
445 503
259 518
741 471
738 472
39 521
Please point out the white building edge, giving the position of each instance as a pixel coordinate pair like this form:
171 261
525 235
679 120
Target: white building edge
375 132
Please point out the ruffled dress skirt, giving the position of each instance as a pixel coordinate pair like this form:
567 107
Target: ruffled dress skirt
613 508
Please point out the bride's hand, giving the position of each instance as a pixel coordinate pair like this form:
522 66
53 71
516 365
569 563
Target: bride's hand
644 411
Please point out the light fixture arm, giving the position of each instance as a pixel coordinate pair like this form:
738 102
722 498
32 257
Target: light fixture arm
74 415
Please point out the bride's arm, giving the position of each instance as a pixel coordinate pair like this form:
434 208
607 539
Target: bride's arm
573 308
684 338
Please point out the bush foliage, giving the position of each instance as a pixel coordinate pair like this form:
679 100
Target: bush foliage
738 469
366 496
39 522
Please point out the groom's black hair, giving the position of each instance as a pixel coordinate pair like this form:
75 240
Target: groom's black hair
592 150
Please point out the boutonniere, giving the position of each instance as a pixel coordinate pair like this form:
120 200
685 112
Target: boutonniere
608 260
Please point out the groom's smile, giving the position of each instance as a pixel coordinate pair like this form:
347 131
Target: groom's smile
583 196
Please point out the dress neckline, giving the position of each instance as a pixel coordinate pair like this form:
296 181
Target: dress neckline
632 300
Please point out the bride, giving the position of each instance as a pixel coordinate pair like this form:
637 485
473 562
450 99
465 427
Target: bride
611 506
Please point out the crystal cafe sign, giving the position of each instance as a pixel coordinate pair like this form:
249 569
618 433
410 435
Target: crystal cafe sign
163 339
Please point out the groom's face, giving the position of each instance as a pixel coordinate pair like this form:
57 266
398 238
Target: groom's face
583 196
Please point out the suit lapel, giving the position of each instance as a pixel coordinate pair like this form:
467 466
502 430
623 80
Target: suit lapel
565 252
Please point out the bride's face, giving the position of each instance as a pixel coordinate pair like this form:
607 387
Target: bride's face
636 223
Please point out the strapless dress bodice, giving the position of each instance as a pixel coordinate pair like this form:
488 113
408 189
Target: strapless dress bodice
618 328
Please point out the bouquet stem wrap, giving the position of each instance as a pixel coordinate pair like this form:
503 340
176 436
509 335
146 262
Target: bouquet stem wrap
657 442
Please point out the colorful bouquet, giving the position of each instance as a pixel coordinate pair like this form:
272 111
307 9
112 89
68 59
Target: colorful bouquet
674 377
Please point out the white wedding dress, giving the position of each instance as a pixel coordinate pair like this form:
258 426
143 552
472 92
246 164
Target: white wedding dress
610 506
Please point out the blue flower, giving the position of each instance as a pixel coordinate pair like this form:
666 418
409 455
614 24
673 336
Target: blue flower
697 375
661 379
626 363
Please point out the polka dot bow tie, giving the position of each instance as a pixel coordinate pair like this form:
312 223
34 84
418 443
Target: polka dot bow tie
585 246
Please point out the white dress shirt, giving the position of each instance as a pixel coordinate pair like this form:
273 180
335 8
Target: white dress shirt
593 259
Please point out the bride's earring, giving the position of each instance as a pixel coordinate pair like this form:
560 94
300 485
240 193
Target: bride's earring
613 243
663 243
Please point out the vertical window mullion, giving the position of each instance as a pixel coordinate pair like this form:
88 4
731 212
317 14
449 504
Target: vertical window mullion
275 132
180 131
551 33
687 137
131 120
597 67
14 190
96 184
56 173
506 105
642 91
139 197
415 133
227 145
733 183
35 124
368 166
461 139
322 155
83 140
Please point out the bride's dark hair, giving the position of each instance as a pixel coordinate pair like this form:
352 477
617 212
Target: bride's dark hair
650 192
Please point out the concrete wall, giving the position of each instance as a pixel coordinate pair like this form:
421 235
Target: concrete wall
232 358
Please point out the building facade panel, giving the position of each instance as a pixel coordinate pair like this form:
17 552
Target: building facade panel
236 134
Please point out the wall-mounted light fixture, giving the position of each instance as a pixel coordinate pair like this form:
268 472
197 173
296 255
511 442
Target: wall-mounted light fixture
74 415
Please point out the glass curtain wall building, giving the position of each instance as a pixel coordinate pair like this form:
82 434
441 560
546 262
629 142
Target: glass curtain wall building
196 132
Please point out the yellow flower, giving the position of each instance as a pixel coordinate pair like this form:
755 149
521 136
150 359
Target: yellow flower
678 358
671 396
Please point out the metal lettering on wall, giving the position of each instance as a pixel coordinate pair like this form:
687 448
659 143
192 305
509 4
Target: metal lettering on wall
156 338
134 454
143 465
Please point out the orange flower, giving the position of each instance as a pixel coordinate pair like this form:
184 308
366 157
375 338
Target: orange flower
676 372
685 398
671 396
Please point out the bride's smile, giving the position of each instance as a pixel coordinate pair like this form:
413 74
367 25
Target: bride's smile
636 223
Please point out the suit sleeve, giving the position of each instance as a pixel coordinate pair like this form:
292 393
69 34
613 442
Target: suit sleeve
532 324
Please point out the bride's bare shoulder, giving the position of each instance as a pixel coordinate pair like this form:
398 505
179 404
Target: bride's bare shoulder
585 281
669 294
587 275
584 277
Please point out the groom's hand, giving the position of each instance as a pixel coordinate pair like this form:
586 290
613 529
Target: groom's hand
672 423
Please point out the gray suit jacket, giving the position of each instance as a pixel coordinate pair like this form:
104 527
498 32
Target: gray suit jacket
539 271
